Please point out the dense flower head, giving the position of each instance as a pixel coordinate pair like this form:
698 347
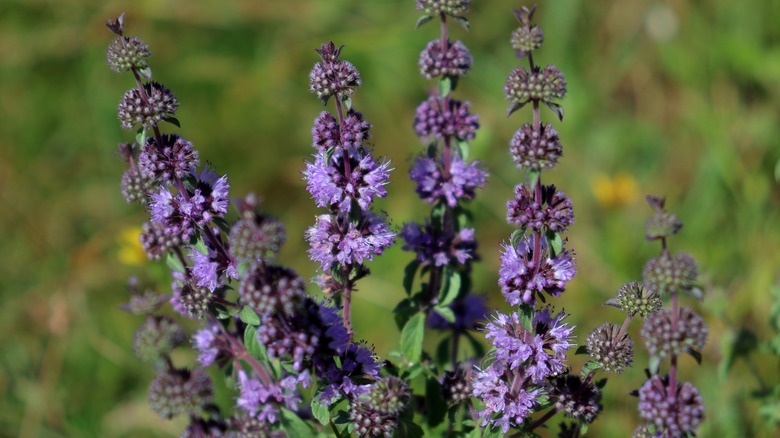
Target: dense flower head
156 240
192 301
211 270
263 401
357 362
456 385
665 274
179 391
439 117
144 303
156 104
449 7
349 135
634 298
269 289
574 398
460 183
174 158
256 237
504 407
662 224
135 185
127 53
611 349
520 281
339 179
376 411
554 213
545 85
438 248
202 428
677 413
330 244
664 337
540 352
156 338
333 77
454 62
469 311
207 342
535 150
181 214
527 38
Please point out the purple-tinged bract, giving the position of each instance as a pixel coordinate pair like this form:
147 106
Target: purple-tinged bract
520 281
158 104
453 63
460 183
677 413
174 158
438 117
535 150
333 77
555 213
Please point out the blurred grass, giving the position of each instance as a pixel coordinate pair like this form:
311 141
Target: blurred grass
681 96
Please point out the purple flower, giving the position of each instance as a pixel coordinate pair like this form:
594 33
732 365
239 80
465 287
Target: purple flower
677 413
555 212
332 77
460 182
174 158
330 244
327 133
336 183
181 214
205 342
356 362
254 396
157 103
210 270
520 282
444 117
455 62
437 248
504 407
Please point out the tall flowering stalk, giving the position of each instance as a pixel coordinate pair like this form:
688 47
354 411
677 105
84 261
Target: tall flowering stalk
444 244
346 179
526 371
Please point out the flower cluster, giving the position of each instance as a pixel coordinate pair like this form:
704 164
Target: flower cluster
521 355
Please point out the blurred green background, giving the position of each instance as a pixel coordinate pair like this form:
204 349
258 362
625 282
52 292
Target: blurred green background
666 97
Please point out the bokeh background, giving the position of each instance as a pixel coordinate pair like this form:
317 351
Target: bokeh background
667 97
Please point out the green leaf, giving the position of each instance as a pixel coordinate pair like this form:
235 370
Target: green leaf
174 263
253 346
695 292
557 109
514 106
696 355
320 412
516 237
437 215
526 315
463 21
434 402
145 73
445 86
173 121
140 137
588 368
777 171
451 289
445 313
583 428
422 20
293 425
555 243
412 337
200 246
443 351
533 179
463 149
403 311
409 273
243 267
582 349
347 101
249 316
653 364
479 349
